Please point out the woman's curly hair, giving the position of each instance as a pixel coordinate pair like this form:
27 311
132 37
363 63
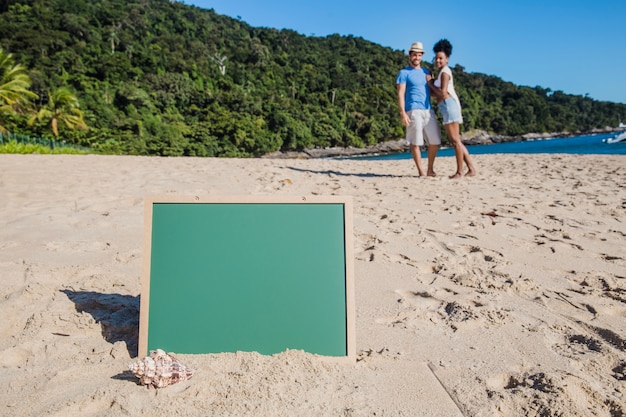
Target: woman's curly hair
444 46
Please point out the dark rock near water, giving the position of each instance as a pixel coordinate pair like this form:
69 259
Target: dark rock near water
396 146
480 137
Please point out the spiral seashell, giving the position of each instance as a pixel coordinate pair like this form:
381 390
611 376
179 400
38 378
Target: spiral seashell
160 369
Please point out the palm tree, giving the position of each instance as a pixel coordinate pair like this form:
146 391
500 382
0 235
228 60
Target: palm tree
113 38
62 106
14 83
221 61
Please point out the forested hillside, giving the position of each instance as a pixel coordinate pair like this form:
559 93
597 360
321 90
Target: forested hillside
158 77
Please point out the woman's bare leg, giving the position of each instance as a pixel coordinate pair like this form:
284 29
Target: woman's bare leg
471 170
460 152
452 129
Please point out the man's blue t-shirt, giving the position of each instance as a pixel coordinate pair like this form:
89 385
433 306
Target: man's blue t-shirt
417 95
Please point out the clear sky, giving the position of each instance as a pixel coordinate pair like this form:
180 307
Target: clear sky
578 47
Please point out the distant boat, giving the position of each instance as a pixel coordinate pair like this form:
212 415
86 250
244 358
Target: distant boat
617 138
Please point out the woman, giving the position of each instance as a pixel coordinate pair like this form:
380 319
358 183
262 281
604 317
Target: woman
450 107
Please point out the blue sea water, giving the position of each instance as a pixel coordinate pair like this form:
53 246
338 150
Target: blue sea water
580 145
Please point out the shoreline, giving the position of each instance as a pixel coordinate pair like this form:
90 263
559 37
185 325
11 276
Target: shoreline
475 137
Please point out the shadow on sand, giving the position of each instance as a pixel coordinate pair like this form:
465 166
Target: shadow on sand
117 314
126 376
349 174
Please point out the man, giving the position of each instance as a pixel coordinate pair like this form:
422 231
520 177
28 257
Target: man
416 112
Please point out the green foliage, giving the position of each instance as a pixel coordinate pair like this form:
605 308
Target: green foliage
62 106
15 147
158 77
501 107
14 94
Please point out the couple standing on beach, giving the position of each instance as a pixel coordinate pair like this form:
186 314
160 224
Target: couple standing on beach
414 87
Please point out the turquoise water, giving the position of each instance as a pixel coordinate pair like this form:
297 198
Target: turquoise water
580 145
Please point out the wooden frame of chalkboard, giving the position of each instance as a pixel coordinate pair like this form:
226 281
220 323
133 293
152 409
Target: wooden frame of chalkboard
248 273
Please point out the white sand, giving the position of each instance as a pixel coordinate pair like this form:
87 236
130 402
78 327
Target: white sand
520 313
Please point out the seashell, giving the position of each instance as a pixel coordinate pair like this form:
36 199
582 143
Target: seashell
160 369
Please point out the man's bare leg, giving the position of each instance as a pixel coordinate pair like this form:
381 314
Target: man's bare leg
415 152
432 153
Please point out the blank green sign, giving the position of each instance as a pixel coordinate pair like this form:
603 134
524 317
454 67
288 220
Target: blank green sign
248 277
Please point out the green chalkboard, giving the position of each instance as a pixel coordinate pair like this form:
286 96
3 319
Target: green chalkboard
248 274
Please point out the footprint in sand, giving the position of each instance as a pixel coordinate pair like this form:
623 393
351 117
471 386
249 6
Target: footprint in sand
14 357
442 305
478 268
366 247
600 291
578 346
532 392
619 371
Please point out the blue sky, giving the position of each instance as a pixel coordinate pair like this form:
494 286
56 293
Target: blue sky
578 47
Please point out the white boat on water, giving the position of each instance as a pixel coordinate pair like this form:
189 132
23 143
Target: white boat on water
617 138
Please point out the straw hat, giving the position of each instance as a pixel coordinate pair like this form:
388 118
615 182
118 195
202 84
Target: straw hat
416 47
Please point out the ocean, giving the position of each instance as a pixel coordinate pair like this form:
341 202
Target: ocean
580 145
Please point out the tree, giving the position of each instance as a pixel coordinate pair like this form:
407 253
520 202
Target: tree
252 90
113 37
14 83
221 62
62 106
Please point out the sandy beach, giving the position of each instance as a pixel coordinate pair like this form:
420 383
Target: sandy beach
498 295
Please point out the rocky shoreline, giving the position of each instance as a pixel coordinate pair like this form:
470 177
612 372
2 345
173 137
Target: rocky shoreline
475 137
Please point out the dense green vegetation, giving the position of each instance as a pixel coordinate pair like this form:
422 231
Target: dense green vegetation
30 148
158 77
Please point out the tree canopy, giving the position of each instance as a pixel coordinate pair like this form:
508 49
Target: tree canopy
158 77
14 83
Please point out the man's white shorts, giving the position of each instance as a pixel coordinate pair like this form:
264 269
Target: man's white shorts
423 128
